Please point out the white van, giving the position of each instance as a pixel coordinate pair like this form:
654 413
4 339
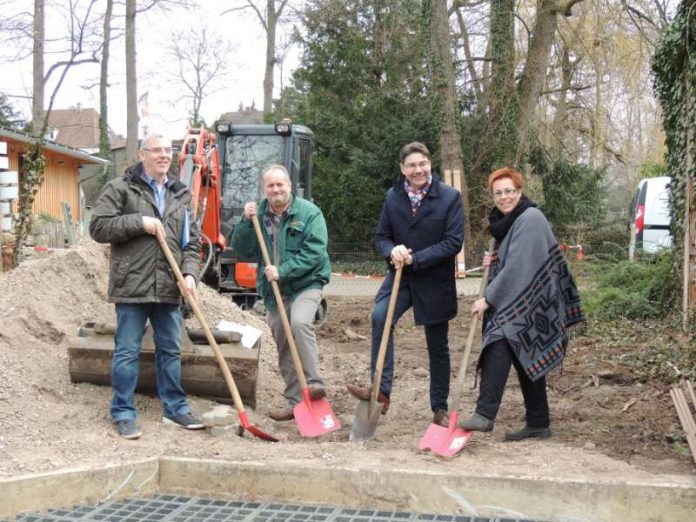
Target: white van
650 217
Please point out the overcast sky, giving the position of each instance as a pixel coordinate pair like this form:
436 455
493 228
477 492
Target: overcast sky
244 83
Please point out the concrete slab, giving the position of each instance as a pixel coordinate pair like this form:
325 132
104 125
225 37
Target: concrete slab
595 499
83 485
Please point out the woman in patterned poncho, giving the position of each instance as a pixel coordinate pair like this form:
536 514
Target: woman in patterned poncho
530 303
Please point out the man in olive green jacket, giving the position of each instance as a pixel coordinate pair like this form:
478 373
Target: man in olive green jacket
295 233
127 215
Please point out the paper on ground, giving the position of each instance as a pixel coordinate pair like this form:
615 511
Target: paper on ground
249 334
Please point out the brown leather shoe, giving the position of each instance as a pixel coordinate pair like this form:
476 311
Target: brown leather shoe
282 414
364 394
441 418
316 392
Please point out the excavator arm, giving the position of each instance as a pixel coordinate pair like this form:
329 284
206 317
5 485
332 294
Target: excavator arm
199 169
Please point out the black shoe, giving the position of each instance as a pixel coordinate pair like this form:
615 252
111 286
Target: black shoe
441 418
187 421
476 423
127 429
528 433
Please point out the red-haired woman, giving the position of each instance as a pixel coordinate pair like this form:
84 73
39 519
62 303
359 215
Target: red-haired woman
529 304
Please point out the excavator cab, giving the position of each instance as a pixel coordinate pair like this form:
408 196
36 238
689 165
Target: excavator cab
238 159
245 152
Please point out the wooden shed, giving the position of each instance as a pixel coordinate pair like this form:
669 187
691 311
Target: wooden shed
62 179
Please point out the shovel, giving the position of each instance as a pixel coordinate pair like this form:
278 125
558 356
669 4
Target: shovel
446 441
313 417
368 412
243 417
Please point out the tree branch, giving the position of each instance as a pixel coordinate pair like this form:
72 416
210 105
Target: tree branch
565 7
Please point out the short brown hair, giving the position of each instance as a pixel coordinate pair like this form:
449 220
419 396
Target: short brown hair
411 148
506 172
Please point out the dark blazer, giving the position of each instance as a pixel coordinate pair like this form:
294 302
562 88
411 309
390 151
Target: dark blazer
435 236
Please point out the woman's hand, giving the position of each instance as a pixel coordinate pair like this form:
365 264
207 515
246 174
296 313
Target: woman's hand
489 257
479 306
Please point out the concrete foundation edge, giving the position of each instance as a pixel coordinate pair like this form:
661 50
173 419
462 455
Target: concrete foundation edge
557 500
78 486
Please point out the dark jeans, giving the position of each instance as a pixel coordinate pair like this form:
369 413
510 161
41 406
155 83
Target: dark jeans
436 339
495 368
166 321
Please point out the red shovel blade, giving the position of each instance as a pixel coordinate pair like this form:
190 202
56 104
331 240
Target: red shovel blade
257 432
445 441
315 417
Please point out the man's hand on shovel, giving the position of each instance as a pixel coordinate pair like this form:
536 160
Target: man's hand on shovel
190 288
401 256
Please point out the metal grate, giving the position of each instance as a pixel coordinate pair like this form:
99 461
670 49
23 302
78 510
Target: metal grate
171 508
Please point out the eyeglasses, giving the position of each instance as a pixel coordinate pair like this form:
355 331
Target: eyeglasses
497 194
159 150
413 166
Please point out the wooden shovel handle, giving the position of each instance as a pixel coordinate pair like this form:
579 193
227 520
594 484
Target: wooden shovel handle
279 303
201 320
470 339
379 365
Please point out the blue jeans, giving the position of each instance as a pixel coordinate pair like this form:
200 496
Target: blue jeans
166 322
436 340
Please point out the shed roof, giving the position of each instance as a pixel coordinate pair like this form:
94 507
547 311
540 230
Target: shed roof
49 145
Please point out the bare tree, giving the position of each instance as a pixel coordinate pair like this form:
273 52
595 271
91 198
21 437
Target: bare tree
269 17
37 111
79 52
534 72
202 59
104 134
442 70
131 86
133 9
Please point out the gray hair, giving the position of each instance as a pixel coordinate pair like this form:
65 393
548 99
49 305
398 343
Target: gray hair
277 167
147 141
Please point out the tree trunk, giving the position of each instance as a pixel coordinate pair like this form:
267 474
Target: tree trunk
559 119
534 72
104 136
37 111
498 139
131 86
451 155
271 22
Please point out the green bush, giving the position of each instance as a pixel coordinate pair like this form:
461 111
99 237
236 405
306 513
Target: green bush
610 240
647 288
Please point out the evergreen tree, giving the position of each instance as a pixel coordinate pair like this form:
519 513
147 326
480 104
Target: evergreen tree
9 118
362 88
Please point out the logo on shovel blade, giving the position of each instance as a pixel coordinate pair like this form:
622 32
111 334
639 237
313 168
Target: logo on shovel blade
327 422
457 443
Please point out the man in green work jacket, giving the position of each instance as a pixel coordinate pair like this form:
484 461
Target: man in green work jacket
295 233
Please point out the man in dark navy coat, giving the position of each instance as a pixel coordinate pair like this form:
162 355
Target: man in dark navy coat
422 228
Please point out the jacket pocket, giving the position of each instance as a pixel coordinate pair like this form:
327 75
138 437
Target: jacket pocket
294 238
120 273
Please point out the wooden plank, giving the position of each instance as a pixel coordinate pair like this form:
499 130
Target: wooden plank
68 223
90 355
685 418
456 182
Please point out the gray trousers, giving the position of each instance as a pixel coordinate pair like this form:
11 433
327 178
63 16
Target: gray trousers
301 312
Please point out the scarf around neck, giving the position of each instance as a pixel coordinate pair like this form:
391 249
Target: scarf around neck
501 223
